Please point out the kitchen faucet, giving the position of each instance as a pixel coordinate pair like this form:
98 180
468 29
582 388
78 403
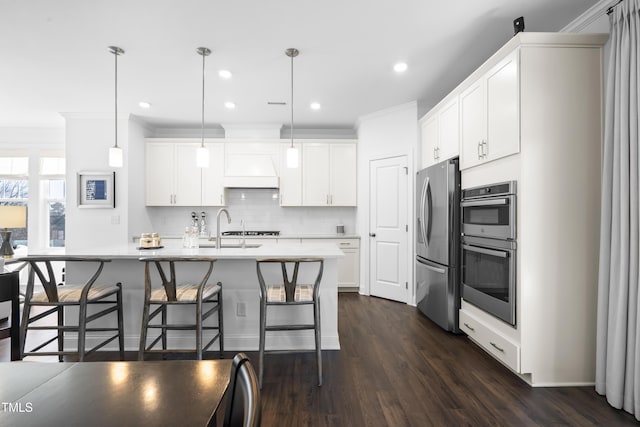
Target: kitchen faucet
218 239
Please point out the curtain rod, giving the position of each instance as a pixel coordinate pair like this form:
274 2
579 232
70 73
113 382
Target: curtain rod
612 6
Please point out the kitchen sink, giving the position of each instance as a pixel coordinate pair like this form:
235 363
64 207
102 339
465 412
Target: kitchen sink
229 245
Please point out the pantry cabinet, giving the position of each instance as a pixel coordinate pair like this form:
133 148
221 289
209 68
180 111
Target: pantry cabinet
329 174
490 114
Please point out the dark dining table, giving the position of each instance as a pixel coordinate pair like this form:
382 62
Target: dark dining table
148 393
10 291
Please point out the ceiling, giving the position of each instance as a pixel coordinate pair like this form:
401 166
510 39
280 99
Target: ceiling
54 56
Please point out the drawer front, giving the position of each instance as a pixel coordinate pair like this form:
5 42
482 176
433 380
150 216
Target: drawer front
346 243
491 341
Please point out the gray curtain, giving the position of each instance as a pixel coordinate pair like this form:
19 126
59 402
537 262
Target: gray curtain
618 343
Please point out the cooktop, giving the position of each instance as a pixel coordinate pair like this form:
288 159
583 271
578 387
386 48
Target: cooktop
251 233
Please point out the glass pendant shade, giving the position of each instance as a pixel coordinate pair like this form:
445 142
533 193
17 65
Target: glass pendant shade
115 157
292 157
202 157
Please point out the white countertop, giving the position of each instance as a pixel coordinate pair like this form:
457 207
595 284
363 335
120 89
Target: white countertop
174 249
281 236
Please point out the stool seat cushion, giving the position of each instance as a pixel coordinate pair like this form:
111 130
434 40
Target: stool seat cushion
276 293
72 293
186 292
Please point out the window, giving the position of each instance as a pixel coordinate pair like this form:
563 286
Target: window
53 195
14 190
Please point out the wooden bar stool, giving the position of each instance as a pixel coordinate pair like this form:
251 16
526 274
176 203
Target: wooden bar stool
288 292
58 296
171 294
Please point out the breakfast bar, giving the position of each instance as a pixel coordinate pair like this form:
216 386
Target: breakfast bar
235 269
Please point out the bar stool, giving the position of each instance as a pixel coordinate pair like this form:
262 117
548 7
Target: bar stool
59 296
289 292
172 294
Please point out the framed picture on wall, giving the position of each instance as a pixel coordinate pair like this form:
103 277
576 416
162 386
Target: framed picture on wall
96 189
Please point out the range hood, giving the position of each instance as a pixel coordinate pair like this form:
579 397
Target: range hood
248 169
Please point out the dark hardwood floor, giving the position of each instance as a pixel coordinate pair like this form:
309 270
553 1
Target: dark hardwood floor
397 368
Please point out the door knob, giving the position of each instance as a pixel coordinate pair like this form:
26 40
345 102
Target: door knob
372 234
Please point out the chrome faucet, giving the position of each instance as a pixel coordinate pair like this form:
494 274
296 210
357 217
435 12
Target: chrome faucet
218 239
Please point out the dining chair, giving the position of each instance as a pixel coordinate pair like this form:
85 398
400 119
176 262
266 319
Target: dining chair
243 402
206 297
287 292
57 296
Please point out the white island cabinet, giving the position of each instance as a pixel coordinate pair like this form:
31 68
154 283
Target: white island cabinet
235 268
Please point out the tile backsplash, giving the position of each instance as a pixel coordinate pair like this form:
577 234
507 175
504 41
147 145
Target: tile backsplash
260 210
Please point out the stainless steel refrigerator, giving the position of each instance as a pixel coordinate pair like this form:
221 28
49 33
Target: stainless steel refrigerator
438 243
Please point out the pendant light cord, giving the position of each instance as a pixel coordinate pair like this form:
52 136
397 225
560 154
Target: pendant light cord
115 53
292 101
202 124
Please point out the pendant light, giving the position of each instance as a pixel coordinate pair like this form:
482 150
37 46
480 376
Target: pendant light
202 155
115 152
292 152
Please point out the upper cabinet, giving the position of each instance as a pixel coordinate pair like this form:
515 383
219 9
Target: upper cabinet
490 114
329 174
173 179
440 133
290 178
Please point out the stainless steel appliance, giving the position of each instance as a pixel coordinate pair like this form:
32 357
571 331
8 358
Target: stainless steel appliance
489 249
489 276
438 243
489 211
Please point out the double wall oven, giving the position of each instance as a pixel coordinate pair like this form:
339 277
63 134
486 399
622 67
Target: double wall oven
489 249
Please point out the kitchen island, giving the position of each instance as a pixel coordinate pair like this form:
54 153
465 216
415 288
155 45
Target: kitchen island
235 268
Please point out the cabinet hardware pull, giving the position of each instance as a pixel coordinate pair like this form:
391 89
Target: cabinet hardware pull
496 347
221 199
479 149
327 199
470 328
484 146
435 154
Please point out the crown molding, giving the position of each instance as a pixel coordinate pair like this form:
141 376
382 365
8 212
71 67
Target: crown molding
589 16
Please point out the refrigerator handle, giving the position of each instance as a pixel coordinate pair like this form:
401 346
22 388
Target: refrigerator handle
427 222
432 268
422 206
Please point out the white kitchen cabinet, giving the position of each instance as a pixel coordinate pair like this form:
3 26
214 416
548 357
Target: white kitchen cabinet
290 178
440 133
543 129
490 114
329 174
213 176
171 175
348 265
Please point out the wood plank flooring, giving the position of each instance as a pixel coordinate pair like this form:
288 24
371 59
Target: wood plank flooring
397 368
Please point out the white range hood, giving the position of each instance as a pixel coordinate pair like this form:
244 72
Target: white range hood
251 165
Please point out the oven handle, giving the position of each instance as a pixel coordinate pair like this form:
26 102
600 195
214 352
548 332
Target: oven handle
501 254
484 202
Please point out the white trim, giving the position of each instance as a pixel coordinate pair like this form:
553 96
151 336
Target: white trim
385 112
589 16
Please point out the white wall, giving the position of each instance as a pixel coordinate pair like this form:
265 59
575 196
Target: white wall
88 138
387 133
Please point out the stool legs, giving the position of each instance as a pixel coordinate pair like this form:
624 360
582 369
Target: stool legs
263 323
316 317
120 321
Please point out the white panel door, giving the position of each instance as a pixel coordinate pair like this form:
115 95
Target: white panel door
449 130
429 141
388 233
290 178
473 124
188 176
503 114
315 174
159 174
213 176
343 175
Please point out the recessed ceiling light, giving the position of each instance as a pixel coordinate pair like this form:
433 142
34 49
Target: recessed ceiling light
144 104
315 105
400 67
230 105
225 74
